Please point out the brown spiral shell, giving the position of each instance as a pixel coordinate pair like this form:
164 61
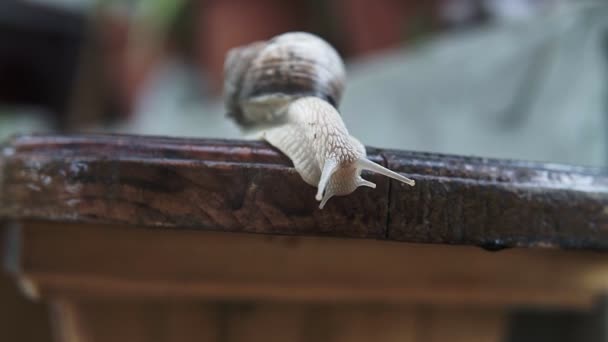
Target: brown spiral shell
261 78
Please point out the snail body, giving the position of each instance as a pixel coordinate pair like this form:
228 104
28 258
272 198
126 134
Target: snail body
290 87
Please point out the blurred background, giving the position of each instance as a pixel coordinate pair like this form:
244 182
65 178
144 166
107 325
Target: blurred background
523 79
518 79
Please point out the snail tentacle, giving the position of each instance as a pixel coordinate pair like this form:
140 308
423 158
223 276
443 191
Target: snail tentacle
330 166
366 164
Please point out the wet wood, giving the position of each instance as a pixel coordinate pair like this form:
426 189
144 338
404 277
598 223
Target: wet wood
240 186
110 261
497 203
163 182
142 238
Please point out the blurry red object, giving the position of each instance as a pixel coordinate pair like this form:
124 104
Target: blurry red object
222 25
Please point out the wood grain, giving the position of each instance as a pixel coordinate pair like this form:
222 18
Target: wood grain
163 182
245 186
497 203
101 261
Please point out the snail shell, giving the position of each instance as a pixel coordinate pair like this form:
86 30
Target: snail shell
263 77
290 86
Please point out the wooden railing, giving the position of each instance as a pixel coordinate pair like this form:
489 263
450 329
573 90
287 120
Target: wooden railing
114 218
245 186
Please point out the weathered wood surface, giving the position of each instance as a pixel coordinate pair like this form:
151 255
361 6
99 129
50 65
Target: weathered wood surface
497 203
204 184
245 186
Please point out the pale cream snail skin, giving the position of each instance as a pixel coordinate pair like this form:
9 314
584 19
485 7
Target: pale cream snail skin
288 88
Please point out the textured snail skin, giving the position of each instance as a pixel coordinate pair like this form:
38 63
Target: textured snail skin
315 138
288 88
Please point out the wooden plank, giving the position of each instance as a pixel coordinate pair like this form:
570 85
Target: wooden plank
462 325
265 322
495 204
245 186
93 321
20 319
84 261
362 323
135 321
320 322
163 182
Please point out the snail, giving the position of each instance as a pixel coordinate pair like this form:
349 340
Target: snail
288 88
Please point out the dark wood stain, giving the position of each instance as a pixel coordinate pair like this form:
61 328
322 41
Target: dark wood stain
245 186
